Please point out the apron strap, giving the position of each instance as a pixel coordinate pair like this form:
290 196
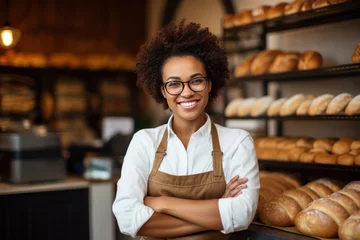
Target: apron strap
216 153
160 153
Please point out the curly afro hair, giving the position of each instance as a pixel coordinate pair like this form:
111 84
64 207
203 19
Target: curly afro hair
181 40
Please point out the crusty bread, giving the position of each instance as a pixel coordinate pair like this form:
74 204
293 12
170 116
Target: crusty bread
355 145
285 62
260 13
310 60
354 106
290 106
357 160
277 10
317 150
263 61
346 159
242 18
261 105
355 185
294 154
274 108
319 104
243 69
307 5
356 55
325 158
325 143
342 146
294 7
339 103
323 217
245 107
305 142
307 157
232 107
228 21
303 108
350 228
320 4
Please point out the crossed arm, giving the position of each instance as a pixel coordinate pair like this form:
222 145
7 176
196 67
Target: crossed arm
178 217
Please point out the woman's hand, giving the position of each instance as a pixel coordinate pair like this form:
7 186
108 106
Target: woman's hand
234 187
155 203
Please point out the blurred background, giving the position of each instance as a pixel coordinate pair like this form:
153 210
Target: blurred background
69 104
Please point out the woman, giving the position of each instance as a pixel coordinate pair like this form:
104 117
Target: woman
186 179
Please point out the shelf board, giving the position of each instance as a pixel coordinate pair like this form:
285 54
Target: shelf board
346 70
17 116
333 13
295 117
313 170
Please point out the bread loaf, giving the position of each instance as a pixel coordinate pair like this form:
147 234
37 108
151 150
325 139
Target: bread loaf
261 105
307 5
294 7
319 104
228 21
294 154
285 62
274 108
356 55
276 11
263 61
325 158
355 145
242 18
260 13
354 106
243 69
337 1
325 143
355 185
305 142
245 107
303 108
346 159
342 146
317 150
339 103
350 228
307 157
357 160
290 106
320 4
323 216
310 60
283 210
232 107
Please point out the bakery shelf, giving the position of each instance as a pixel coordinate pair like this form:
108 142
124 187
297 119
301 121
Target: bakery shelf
333 13
346 70
295 117
18 116
313 170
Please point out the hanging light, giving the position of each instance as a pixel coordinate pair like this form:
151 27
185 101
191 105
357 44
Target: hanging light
9 36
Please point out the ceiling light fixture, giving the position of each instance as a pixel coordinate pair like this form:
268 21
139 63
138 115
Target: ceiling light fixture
9 36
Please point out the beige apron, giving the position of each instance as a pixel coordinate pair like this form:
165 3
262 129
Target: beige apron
208 185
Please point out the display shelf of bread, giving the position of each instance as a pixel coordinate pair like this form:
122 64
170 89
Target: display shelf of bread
343 106
115 97
294 14
341 151
322 208
91 62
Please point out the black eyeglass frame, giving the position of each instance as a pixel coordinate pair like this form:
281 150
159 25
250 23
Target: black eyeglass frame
183 85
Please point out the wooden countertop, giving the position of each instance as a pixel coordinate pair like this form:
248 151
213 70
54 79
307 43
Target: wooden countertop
71 182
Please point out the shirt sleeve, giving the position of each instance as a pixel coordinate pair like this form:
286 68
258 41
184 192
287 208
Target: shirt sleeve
128 207
237 213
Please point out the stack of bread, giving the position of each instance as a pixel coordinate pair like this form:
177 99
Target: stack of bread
343 151
298 104
272 184
333 215
16 97
265 12
276 61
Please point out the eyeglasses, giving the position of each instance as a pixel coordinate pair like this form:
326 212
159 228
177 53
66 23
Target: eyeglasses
196 84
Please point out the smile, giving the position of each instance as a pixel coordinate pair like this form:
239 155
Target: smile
188 105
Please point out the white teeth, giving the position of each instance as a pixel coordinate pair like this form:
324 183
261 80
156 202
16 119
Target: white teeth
188 104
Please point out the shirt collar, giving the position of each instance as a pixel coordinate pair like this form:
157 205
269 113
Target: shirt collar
204 130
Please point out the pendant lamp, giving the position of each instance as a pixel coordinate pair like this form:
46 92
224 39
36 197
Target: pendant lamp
9 36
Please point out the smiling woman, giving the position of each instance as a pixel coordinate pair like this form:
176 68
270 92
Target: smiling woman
191 178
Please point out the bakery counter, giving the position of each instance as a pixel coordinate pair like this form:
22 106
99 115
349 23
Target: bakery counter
74 208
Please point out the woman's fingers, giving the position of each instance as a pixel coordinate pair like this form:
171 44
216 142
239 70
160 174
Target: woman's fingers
237 183
237 191
235 186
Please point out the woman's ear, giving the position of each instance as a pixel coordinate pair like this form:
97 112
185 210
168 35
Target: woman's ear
210 85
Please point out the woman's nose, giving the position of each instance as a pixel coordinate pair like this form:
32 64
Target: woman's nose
187 91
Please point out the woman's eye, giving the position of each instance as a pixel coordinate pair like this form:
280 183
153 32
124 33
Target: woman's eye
197 81
174 84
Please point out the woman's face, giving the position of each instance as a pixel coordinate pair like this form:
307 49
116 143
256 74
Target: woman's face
189 104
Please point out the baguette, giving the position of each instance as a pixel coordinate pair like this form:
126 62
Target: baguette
263 61
274 108
232 107
261 105
277 10
339 103
319 104
294 7
243 69
303 108
245 107
354 106
350 228
260 13
290 106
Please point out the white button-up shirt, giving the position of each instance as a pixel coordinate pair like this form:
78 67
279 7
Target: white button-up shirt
239 158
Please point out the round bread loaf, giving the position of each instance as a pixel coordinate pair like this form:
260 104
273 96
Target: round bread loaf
263 61
285 62
319 104
277 10
261 105
310 60
290 106
339 103
354 106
